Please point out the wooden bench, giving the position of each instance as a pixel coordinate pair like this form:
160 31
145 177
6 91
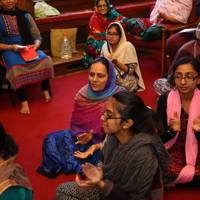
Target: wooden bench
63 66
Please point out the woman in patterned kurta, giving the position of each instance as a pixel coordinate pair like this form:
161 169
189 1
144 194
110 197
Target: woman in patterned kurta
18 30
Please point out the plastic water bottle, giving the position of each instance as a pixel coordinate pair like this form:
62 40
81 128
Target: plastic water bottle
66 48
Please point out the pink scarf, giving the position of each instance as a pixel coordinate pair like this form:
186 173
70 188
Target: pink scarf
191 145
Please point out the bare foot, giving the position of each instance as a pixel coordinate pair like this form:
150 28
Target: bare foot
24 108
47 96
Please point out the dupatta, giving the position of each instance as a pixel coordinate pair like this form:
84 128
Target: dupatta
22 23
12 174
89 106
124 53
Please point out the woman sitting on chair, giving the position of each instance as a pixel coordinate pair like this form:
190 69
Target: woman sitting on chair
18 32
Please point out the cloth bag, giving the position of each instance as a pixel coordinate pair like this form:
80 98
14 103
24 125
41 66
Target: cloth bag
42 9
56 36
143 28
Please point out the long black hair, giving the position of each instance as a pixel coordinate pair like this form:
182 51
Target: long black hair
8 147
132 107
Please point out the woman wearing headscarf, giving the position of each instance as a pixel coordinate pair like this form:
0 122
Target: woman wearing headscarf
65 151
103 15
124 57
18 33
14 184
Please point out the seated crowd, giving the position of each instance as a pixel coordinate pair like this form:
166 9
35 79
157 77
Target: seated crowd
139 151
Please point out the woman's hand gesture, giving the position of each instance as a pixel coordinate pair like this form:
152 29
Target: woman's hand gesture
84 138
196 124
93 173
89 152
175 123
92 176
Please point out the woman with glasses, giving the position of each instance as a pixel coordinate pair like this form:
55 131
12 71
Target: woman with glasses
103 15
64 151
124 57
133 153
179 110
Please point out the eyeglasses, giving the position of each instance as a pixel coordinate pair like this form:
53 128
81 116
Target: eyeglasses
106 116
187 77
102 6
112 34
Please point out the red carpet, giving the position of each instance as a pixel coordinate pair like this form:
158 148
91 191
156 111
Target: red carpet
29 131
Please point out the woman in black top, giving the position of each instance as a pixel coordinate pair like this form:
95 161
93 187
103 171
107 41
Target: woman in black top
180 112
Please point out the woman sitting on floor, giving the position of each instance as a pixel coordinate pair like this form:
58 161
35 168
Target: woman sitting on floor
64 151
14 184
133 153
124 57
18 32
179 110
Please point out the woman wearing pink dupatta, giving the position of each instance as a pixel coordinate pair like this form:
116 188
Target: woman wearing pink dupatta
64 151
180 111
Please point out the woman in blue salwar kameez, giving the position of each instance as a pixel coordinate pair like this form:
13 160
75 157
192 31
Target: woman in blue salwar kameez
17 31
